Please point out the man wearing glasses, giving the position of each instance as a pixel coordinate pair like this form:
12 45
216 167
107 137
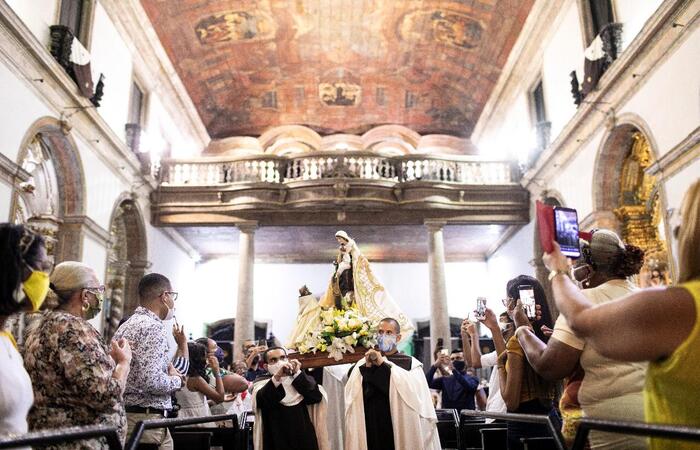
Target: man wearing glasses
152 378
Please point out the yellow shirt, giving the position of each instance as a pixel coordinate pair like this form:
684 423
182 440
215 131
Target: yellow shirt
672 386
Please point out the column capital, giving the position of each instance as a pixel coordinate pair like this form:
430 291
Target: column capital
434 225
247 226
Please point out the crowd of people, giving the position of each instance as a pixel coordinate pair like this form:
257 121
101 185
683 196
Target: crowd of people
614 352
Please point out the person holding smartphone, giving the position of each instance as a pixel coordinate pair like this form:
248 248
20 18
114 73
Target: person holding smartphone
602 388
522 389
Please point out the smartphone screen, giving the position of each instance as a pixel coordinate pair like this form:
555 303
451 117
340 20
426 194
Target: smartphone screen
445 352
527 298
566 229
480 307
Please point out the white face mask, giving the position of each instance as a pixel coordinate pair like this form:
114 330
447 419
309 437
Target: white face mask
171 311
275 367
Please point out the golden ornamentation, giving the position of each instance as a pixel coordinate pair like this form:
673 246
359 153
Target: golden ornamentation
639 210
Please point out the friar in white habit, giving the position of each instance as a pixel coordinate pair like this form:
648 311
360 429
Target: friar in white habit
387 400
290 408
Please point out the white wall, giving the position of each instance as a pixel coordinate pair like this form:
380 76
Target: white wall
16 120
633 14
111 56
511 260
38 15
562 54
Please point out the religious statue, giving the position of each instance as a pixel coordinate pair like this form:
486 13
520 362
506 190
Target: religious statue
352 286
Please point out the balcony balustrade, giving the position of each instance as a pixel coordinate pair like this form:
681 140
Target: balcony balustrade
215 171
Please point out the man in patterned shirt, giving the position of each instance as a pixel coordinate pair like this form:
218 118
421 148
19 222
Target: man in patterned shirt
152 378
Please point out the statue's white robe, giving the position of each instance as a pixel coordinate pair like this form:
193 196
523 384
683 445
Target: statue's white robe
308 320
413 416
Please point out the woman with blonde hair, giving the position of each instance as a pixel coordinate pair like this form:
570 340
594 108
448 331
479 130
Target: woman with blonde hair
659 325
77 380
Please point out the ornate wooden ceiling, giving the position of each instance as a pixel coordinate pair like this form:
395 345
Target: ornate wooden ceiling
338 65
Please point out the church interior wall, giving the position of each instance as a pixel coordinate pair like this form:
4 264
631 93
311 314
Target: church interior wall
110 55
669 100
633 14
38 16
15 121
562 54
103 186
509 261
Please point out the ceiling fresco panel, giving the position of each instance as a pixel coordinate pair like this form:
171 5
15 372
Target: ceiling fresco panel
338 66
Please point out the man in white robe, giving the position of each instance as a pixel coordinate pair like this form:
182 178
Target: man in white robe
387 401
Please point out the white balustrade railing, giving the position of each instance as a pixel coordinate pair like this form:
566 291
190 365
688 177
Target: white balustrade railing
364 166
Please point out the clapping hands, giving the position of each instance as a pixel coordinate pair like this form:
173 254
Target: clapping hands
121 351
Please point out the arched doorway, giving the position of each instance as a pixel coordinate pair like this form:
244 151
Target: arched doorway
630 200
126 263
52 200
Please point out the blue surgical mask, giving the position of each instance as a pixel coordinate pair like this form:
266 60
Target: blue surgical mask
386 342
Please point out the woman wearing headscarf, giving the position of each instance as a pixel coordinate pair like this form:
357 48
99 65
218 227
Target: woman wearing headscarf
659 325
77 379
597 386
24 282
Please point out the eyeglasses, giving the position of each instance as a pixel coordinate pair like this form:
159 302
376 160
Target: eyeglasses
171 294
96 290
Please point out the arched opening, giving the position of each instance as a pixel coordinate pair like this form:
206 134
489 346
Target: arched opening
126 263
628 200
52 201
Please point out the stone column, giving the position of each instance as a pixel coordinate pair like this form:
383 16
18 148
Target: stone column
245 325
439 317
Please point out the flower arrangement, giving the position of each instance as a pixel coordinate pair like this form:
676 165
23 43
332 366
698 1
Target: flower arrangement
339 332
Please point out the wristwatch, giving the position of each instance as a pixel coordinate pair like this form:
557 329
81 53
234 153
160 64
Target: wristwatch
556 272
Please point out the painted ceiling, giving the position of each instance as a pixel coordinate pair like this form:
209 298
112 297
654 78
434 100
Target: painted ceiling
338 66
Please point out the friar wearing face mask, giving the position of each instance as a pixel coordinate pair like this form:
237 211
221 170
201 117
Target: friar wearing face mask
387 401
290 408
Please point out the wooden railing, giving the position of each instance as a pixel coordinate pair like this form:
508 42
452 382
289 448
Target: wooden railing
211 171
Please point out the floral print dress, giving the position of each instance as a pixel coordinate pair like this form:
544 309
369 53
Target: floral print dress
71 373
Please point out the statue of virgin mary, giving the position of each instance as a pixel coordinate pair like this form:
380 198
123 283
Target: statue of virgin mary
354 284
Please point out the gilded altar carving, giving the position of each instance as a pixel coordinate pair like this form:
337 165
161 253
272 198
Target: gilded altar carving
639 210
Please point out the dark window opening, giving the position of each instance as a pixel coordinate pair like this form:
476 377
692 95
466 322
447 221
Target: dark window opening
136 105
71 16
601 15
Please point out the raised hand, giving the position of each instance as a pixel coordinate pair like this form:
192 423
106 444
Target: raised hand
296 365
179 335
556 260
518 315
213 363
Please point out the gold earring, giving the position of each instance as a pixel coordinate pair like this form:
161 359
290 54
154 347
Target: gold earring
86 306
